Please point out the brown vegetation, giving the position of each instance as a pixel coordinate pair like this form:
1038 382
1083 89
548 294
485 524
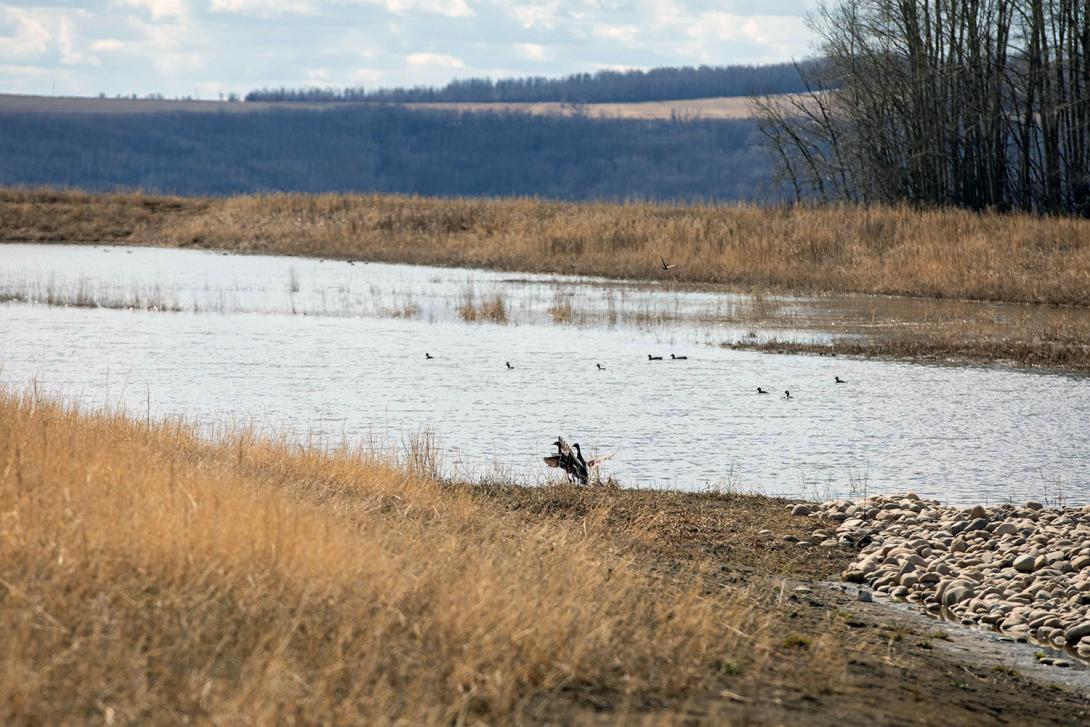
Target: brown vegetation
940 254
150 576
734 107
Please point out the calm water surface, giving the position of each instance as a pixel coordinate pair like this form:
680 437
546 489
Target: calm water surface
325 350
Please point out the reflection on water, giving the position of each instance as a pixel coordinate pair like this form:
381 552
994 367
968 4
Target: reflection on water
341 365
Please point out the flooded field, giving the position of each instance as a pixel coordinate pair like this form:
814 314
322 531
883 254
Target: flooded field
329 350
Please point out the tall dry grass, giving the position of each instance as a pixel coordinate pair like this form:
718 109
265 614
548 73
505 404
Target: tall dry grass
149 576
889 250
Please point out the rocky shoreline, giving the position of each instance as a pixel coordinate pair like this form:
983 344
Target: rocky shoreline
1023 570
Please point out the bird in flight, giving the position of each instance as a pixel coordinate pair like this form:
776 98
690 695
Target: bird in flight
664 265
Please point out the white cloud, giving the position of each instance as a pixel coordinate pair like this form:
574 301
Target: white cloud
434 60
32 33
616 32
158 8
533 51
264 8
366 75
107 45
539 15
448 8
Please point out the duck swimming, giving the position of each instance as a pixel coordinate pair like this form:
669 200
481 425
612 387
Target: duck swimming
761 391
653 358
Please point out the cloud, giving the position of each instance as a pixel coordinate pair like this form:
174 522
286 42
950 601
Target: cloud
32 33
533 51
434 60
448 8
158 8
616 32
107 45
264 8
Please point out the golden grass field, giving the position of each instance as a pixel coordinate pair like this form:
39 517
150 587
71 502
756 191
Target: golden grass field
150 576
734 107
886 250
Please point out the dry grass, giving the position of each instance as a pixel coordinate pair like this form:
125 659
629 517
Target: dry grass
149 576
739 107
486 308
938 254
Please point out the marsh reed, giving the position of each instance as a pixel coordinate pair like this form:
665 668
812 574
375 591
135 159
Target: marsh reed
887 250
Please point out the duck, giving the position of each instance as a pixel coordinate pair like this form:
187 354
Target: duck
579 466
428 356
678 358
761 391
509 364
653 358
600 367
664 265
563 458
839 380
786 394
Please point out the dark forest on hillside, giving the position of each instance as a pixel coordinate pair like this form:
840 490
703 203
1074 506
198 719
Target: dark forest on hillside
658 84
387 149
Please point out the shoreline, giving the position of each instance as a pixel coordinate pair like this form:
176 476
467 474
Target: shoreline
245 557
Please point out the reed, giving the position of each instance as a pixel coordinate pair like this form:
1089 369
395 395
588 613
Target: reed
887 250
151 576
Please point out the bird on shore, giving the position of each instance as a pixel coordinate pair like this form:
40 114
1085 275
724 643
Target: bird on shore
664 265
428 356
563 459
678 358
653 358
509 364
839 380
591 464
761 391
600 367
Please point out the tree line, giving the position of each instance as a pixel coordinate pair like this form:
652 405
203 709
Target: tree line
972 103
658 84
388 149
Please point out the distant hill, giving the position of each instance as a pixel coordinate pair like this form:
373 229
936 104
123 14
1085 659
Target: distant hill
377 148
633 86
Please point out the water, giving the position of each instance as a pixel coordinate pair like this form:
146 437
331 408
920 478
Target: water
349 363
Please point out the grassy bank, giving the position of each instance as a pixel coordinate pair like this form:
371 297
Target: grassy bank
940 254
150 576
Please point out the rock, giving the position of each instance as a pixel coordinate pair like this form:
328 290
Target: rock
800 510
767 534
1024 563
1076 633
1005 529
1031 505
977 512
865 596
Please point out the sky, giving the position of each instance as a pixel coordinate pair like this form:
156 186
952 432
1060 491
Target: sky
205 48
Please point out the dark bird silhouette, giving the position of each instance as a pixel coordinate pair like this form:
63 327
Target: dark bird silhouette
600 367
787 394
664 265
509 364
591 464
839 380
563 459
579 467
761 391
653 358
428 356
679 358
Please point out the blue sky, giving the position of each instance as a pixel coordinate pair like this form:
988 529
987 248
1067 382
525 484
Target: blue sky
207 47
